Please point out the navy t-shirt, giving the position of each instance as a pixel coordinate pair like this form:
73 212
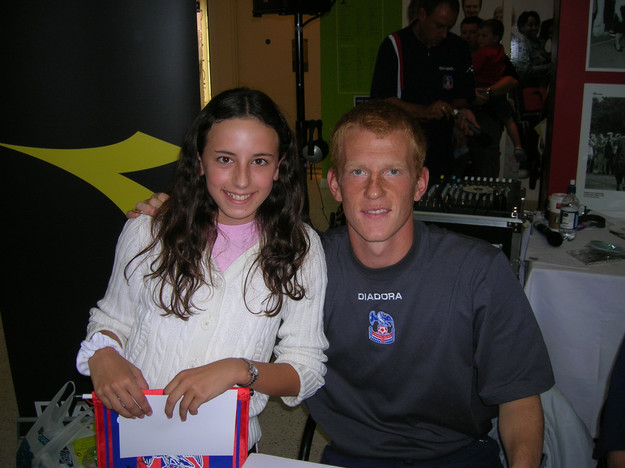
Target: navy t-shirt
422 352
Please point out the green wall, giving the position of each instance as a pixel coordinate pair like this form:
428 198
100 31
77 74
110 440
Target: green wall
350 36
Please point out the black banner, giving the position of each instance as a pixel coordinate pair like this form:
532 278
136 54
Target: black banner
95 100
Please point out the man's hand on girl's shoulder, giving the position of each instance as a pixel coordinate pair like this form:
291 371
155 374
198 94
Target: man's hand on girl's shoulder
149 206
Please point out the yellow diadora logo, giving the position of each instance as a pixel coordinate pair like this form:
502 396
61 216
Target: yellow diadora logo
104 167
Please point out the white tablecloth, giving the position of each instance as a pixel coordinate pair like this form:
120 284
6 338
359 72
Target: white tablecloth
258 460
581 312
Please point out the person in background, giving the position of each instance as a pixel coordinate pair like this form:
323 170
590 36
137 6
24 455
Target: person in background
608 16
618 162
477 158
546 34
427 70
618 24
498 15
590 163
489 65
225 275
532 63
468 32
528 54
471 8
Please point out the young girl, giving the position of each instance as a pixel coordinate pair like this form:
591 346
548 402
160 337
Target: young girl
199 294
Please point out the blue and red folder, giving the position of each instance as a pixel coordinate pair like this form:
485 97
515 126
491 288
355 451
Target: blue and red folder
108 442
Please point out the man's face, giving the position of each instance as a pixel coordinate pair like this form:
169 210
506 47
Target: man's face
377 187
431 30
468 32
471 7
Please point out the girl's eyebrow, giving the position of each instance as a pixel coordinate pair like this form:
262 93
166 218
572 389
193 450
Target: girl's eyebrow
255 155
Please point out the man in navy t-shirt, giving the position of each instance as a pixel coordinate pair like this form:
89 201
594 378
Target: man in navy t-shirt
430 333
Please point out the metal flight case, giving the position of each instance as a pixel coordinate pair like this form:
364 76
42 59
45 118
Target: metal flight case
488 209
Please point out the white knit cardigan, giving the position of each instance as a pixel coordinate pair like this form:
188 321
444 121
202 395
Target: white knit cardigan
221 326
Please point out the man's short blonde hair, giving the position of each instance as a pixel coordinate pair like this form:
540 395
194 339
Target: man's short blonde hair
381 118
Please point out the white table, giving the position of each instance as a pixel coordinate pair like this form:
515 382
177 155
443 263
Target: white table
258 460
581 312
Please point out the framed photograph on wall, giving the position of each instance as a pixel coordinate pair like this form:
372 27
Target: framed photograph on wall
606 36
601 160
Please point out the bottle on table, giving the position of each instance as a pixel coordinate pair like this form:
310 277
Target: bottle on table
569 212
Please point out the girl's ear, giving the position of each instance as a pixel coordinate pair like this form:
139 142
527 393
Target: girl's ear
199 157
276 174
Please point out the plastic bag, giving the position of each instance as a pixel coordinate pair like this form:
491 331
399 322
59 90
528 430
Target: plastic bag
59 452
50 442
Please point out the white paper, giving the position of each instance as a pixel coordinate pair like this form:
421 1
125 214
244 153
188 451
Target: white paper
210 432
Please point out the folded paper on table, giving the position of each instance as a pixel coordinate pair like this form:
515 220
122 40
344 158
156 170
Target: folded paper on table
216 437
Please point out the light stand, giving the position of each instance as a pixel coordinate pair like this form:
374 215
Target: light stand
300 124
297 8
303 127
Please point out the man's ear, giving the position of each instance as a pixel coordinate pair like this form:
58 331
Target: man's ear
333 184
422 183
421 14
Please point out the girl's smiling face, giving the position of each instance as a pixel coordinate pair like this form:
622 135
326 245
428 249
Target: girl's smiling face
240 162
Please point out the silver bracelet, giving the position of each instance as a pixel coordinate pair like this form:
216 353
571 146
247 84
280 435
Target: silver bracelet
253 370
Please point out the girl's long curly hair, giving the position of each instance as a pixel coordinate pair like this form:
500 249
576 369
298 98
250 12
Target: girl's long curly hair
185 227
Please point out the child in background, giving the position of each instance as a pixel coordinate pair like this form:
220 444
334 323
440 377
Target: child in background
489 65
200 293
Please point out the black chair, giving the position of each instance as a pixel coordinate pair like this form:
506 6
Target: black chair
307 438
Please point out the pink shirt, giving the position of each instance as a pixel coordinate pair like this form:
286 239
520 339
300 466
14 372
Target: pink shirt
232 241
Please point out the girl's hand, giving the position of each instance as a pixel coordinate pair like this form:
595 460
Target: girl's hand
119 384
201 384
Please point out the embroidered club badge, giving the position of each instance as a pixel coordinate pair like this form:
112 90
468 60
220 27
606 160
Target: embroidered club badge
381 327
